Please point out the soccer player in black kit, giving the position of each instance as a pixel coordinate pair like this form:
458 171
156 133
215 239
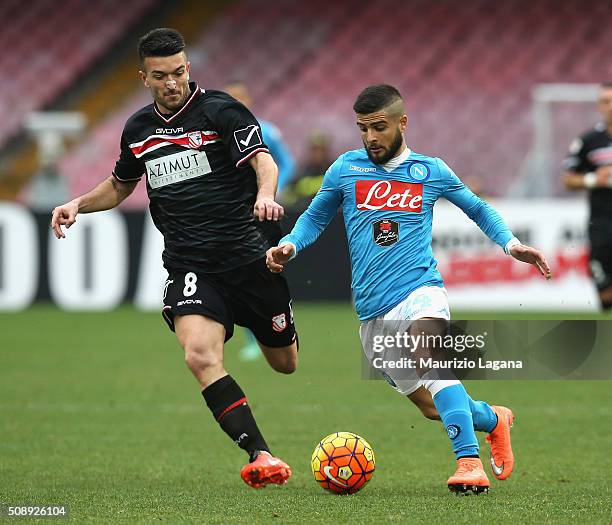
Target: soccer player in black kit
211 183
588 165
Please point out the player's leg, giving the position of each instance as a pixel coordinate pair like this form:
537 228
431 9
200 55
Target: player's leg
202 326
427 309
600 264
424 402
452 404
496 420
454 414
483 415
283 359
202 339
262 303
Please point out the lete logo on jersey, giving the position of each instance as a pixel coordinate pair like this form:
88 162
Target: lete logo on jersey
389 195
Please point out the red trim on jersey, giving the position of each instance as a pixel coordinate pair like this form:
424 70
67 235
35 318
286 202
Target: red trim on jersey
155 141
254 152
193 95
241 401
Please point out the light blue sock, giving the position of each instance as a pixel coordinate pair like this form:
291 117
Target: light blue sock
453 406
482 414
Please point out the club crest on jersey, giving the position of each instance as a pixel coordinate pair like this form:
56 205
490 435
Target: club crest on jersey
195 139
419 172
388 195
385 232
279 323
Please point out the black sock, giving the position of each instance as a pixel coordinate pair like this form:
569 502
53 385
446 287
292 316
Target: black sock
228 404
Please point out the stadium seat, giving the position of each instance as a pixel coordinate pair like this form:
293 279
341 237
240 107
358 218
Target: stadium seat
466 70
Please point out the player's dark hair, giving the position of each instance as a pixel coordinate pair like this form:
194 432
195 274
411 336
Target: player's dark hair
606 85
160 42
375 98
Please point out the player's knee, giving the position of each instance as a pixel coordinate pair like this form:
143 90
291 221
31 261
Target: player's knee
199 357
285 362
287 366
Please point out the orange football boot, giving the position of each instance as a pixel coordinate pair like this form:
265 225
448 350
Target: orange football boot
265 469
502 458
469 475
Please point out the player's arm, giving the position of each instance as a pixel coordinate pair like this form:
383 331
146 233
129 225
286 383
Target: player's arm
242 136
491 222
576 175
281 155
106 195
266 208
311 223
601 178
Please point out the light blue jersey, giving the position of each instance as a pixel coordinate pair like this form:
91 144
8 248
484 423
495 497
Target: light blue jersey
280 153
388 212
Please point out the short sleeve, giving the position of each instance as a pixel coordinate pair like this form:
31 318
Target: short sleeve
240 132
128 168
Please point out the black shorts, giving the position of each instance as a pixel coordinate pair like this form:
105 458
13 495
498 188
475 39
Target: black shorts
600 263
249 296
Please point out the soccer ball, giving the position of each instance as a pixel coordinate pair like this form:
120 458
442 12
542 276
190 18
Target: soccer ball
343 462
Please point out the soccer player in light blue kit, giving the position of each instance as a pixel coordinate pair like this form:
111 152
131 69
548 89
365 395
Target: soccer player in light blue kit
387 193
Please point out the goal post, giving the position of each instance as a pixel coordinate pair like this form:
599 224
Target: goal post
560 113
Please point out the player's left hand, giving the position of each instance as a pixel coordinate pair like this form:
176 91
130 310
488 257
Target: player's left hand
267 208
530 255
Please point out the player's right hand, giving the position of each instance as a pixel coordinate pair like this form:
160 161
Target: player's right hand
277 257
64 215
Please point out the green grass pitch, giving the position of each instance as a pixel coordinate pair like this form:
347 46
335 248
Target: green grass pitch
98 412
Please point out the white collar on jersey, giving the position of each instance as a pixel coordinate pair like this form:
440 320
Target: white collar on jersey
396 161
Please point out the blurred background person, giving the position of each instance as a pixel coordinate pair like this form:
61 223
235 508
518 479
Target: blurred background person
588 165
309 175
272 136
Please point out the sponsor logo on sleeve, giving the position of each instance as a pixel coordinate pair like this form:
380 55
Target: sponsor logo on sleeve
248 137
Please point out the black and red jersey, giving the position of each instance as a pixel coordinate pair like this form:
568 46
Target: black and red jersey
200 183
588 152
